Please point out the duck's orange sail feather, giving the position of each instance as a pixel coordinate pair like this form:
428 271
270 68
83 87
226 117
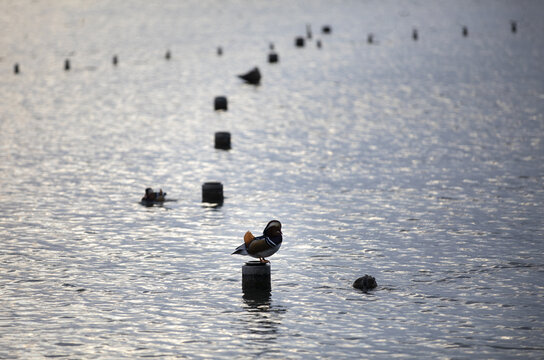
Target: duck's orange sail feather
248 237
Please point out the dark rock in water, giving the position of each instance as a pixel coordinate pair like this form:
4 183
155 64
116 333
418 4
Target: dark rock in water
253 77
299 41
66 65
271 46
370 38
16 68
326 29
365 283
415 35
219 51
115 60
168 55
318 44
465 31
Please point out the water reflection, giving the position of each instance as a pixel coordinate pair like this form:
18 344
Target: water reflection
213 206
399 160
262 319
257 297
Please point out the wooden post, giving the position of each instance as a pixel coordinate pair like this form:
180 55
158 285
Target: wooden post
222 140
220 103
273 57
212 192
256 277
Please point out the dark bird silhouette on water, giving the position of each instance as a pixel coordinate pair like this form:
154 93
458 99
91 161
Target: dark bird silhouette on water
253 77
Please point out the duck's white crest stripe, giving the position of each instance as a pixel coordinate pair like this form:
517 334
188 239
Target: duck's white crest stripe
270 242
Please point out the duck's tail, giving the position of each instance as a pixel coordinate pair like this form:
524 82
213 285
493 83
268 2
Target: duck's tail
240 250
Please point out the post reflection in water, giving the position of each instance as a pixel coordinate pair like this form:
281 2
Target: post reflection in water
261 323
262 318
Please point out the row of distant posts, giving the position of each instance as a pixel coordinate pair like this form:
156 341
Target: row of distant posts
256 279
273 56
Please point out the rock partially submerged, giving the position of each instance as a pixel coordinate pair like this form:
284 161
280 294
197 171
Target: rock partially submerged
253 77
365 283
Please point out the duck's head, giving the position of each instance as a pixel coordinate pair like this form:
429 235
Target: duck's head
148 191
273 228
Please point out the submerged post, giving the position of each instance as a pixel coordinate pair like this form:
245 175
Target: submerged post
222 140
212 192
273 58
415 35
256 277
220 103
513 26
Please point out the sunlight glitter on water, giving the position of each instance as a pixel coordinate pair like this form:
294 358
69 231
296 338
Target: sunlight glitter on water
416 162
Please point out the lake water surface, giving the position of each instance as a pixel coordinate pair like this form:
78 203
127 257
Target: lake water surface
417 162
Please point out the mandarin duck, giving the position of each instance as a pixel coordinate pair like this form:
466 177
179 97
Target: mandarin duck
152 197
262 246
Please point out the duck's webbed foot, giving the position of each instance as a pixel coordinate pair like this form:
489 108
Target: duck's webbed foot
263 260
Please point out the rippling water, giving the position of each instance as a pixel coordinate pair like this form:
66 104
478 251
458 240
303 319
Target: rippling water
420 163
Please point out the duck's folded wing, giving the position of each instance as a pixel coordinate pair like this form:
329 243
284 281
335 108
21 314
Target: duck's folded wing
260 244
